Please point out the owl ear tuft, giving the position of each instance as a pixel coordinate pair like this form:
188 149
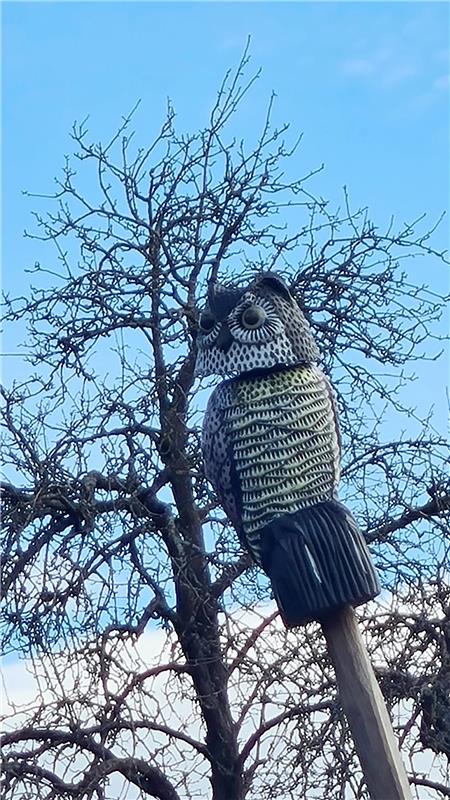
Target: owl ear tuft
222 298
274 282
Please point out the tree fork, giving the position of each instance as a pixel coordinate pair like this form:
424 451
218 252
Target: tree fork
363 704
198 631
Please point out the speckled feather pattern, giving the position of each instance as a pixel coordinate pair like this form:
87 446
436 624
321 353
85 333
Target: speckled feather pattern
271 446
271 449
284 339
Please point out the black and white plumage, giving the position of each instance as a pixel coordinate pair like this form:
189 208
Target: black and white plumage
271 448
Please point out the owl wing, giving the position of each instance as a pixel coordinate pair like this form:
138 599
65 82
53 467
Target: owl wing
218 458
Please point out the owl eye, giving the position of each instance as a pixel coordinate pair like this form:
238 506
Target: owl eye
253 317
207 322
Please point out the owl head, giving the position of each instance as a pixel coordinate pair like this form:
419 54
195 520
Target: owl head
258 327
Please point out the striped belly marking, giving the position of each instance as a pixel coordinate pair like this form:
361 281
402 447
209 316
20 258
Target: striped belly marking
285 444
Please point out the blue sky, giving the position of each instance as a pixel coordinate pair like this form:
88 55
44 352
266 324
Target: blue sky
366 83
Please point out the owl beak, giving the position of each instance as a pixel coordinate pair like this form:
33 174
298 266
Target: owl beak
224 339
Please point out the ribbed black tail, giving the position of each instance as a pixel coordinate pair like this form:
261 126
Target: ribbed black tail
317 561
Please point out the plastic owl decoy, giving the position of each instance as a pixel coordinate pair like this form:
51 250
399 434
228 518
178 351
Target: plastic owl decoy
271 448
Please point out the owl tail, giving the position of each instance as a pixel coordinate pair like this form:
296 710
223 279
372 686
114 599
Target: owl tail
317 561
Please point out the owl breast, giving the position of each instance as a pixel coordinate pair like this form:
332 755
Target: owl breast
285 444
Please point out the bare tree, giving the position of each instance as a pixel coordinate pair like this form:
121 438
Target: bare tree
161 665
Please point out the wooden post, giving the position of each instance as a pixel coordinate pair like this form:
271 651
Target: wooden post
365 710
